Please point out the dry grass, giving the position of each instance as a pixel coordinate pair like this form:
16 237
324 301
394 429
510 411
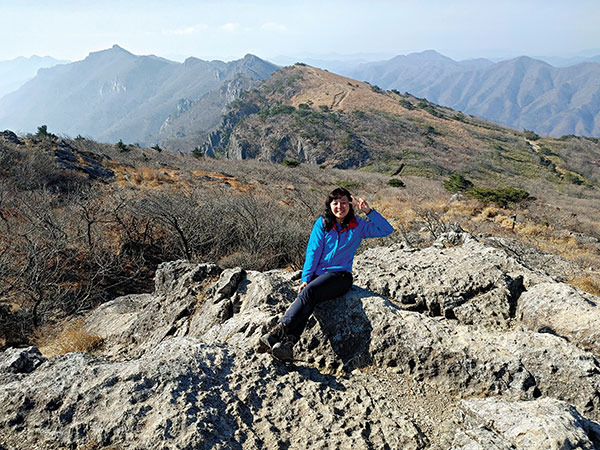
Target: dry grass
72 338
473 216
588 283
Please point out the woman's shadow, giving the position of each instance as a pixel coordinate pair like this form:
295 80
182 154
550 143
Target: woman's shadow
344 327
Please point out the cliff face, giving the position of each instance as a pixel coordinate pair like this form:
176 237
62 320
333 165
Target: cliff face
457 345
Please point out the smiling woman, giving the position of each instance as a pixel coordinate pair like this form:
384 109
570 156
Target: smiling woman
327 271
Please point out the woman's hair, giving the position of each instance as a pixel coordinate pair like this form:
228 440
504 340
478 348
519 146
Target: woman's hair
329 217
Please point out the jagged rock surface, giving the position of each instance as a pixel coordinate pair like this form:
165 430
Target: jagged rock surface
537 425
563 310
11 137
385 365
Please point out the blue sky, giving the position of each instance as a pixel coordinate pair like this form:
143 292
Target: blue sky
227 29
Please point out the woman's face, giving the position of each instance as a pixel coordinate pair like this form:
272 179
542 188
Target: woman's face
340 208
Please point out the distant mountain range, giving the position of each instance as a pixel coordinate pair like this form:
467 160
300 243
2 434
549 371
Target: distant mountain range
521 92
114 94
16 72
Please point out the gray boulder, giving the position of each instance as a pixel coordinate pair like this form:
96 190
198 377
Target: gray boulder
454 281
563 310
536 425
19 361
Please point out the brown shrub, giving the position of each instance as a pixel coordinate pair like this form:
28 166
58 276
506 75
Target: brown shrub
72 338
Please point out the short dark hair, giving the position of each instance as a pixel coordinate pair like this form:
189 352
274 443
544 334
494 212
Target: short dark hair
328 217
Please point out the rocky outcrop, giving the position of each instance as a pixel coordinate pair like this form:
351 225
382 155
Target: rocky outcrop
540 424
11 137
427 350
70 158
472 282
562 310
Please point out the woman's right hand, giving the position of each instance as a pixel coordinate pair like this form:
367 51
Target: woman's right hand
302 286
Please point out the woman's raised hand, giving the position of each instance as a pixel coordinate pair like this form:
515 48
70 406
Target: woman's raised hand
361 204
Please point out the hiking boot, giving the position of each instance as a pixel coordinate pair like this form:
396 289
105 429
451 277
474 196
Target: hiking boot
283 351
267 341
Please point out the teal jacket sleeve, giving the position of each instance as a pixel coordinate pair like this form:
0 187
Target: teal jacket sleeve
314 250
377 226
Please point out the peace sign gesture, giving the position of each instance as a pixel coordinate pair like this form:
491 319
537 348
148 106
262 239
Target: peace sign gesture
361 204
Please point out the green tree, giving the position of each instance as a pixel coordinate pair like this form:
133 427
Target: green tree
501 197
457 183
122 147
396 182
42 133
197 152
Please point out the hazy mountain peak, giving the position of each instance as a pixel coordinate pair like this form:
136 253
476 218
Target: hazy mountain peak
529 60
111 52
116 47
251 57
429 54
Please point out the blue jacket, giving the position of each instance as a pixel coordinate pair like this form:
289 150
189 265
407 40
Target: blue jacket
334 250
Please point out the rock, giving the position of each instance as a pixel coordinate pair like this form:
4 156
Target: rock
537 425
494 309
228 283
20 360
450 239
563 310
70 158
11 137
440 280
185 394
363 329
385 365
554 266
175 277
117 322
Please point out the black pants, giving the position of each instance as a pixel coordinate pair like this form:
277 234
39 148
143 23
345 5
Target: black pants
324 287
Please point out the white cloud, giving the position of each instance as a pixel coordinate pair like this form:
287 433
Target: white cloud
188 30
230 27
272 26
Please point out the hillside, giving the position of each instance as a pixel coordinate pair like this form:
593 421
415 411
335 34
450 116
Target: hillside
523 92
112 213
189 127
306 114
114 95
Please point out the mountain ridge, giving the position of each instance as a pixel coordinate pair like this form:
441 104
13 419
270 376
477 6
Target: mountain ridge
115 95
482 90
310 115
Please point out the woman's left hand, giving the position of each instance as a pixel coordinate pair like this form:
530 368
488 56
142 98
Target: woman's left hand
361 204
302 286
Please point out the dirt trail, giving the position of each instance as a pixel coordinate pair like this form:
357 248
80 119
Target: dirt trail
537 149
338 99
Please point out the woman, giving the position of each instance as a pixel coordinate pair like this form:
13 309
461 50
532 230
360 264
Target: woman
327 271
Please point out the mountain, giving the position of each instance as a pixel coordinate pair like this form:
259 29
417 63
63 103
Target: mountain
14 73
309 115
558 61
114 95
189 126
417 70
521 92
